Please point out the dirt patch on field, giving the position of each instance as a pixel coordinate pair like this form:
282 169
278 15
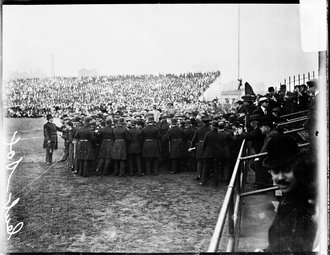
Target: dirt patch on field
62 212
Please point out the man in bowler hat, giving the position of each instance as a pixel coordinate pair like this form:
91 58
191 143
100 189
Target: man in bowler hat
50 138
293 171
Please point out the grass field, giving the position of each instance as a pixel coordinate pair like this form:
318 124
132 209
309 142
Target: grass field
62 212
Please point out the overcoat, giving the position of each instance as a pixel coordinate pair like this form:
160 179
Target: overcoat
293 228
135 144
50 134
150 136
216 145
198 139
188 136
119 149
86 141
107 139
175 136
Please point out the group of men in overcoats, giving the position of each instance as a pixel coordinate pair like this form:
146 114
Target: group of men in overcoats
135 147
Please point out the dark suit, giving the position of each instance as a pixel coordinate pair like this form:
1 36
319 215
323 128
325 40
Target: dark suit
50 140
107 139
259 111
119 149
175 136
65 134
293 229
163 128
134 151
197 142
150 136
85 149
215 151
189 157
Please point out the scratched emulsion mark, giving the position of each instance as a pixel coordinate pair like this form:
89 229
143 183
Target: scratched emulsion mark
11 166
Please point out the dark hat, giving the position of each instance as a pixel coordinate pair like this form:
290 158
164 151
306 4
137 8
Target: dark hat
312 83
150 119
221 125
282 150
88 119
188 122
205 118
283 86
255 117
276 109
303 86
266 121
49 116
232 118
271 89
108 120
237 124
174 121
248 98
215 123
121 121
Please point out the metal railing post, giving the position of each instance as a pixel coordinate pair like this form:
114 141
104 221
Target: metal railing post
214 243
231 227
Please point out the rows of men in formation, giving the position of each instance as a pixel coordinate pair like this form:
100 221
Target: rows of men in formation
91 95
206 143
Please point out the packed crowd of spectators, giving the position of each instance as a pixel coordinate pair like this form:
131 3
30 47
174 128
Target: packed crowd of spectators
91 95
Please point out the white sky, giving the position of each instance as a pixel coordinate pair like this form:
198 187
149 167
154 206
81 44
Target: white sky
120 39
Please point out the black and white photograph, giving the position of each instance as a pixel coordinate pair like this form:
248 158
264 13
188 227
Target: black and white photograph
164 128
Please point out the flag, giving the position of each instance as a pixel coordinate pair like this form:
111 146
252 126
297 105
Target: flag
239 83
248 89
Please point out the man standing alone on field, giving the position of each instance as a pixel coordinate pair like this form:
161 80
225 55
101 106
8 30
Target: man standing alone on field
50 138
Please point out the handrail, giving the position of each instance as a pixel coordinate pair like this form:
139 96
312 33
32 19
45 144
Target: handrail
291 121
214 244
259 191
263 154
294 113
293 130
234 221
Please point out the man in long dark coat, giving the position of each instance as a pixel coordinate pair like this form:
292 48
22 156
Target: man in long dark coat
163 128
134 149
119 149
150 136
226 140
189 156
50 138
212 150
107 139
85 147
175 136
197 142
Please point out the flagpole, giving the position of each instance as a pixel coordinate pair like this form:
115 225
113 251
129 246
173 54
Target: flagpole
238 47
